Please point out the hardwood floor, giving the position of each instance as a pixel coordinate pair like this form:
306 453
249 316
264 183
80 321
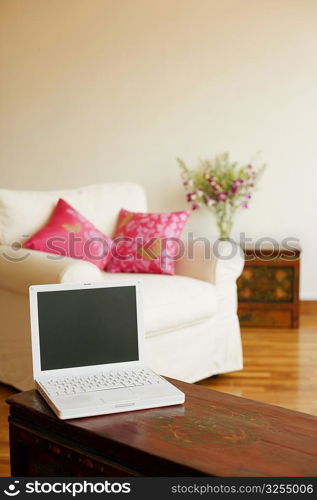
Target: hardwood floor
280 367
5 392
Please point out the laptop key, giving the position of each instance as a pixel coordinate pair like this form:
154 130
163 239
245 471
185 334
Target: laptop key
101 381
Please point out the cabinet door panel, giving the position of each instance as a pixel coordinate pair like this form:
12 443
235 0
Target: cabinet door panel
266 284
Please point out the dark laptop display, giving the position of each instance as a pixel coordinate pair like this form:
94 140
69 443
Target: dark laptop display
87 327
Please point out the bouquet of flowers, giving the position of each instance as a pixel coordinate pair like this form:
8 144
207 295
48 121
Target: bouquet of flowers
221 185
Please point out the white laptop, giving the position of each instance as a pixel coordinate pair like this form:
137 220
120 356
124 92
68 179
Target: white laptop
88 350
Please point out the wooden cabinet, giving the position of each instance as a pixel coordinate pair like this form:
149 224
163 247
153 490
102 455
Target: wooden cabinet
268 289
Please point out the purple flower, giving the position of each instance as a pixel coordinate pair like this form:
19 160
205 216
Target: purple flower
210 201
187 181
222 196
236 185
191 197
248 195
244 204
215 185
196 205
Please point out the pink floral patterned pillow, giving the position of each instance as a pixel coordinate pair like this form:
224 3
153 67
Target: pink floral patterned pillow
146 243
70 234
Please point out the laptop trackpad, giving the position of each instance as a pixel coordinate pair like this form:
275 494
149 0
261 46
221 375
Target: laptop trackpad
111 396
116 395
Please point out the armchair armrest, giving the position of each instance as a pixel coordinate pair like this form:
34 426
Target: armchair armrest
216 264
221 266
23 267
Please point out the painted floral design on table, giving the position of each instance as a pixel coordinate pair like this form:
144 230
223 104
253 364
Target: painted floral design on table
221 426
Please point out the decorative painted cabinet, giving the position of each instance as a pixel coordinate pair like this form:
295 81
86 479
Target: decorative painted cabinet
268 289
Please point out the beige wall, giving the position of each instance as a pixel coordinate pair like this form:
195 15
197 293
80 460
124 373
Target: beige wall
98 90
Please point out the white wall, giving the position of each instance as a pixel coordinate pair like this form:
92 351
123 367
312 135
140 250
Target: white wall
98 90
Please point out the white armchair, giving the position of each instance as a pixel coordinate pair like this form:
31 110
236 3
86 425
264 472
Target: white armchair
191 323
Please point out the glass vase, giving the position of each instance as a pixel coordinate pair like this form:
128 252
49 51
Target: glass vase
224 213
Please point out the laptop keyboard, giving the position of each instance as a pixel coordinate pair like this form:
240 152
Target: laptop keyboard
100 381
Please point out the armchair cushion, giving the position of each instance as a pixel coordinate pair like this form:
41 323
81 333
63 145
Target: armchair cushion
70 234
147 242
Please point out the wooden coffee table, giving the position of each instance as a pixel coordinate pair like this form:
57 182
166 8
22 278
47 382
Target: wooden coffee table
212 434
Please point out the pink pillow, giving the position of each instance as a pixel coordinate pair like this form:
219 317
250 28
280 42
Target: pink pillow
70 234
146 243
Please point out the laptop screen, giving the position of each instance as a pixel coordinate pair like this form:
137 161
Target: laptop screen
87 327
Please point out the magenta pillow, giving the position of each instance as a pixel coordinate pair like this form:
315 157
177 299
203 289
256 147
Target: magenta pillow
70 234
147 243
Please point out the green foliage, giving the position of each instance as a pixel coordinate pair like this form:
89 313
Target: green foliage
222 185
